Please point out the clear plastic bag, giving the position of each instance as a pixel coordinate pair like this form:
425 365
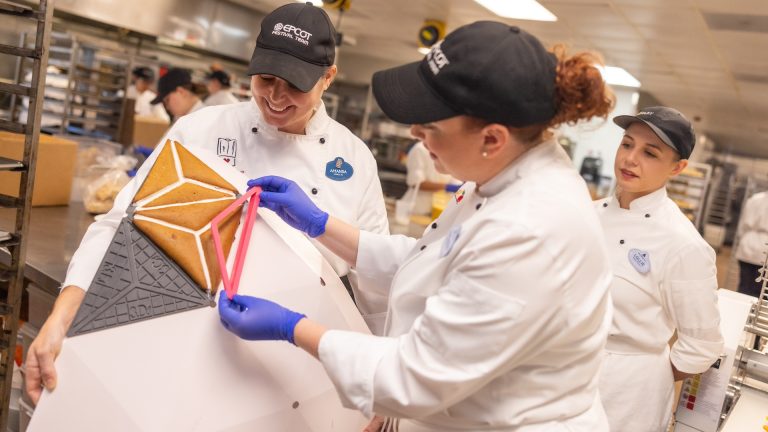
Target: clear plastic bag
100 194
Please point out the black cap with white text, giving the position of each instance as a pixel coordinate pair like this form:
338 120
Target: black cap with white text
489 70
669 124
297 43
168 83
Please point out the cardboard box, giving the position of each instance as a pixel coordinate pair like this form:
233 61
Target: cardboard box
53 173
148 130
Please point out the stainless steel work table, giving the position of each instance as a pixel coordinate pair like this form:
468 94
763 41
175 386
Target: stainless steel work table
54 235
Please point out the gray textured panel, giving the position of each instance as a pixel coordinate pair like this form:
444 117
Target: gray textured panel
136 281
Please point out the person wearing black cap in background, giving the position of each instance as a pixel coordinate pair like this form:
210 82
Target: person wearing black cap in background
285 130
177 93
140 90
218 85
664 276
497 316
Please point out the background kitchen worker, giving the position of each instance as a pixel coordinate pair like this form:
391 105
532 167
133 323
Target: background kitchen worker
664 276
218 85
176 92
141 91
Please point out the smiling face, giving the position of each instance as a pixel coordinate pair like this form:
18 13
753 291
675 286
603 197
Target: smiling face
284 106
643 163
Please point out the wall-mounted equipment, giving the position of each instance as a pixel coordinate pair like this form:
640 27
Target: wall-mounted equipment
342 5
431 32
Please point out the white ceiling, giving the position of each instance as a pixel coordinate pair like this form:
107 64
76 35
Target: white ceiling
708 58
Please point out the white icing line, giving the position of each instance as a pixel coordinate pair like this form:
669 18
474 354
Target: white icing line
162 191
203 263
209 200
209 186
176 160
165 224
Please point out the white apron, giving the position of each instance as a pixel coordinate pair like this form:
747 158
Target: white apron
644 374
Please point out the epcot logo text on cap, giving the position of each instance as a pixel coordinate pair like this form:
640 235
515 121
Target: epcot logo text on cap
297 43
292 32
437 59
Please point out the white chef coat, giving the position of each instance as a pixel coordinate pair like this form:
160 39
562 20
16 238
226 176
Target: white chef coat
238 134
753 230
497 316
421 168
143 107
675 291
221 97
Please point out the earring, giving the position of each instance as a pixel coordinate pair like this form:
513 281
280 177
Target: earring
485 154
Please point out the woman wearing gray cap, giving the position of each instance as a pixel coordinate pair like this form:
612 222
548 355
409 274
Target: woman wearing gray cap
285 130
497 316
664 277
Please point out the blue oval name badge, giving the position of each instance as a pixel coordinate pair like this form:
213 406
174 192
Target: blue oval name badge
640 260
338 169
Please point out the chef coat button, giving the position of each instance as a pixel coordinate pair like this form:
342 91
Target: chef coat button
423 247
322 140
434 225
477 207
314 191
647 215
621 241
605 204
255 130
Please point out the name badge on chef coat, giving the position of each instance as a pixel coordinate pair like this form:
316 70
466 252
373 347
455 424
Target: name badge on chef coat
338 169
640 260
450 240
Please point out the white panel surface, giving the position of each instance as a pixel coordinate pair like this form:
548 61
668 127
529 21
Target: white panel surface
185 372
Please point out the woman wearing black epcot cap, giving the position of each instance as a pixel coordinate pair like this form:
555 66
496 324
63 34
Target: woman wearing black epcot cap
285 131
664 276
497 316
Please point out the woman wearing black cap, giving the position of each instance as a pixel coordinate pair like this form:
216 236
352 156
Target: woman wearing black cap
664 277
497 316
218 85
285 130
140 90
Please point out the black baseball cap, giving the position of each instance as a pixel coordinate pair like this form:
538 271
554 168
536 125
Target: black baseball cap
144 73
219 76
669 124
167 83
297 43
489 70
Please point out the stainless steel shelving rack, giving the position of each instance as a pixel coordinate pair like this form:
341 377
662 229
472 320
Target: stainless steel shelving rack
10 298
689 191
85 93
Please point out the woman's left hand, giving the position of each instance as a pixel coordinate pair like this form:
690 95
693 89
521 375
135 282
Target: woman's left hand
286 198
253 318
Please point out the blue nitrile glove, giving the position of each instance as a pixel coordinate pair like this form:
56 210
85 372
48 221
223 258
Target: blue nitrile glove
450 187
253 318
286 198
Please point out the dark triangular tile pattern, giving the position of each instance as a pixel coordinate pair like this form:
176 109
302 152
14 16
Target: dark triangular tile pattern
136 281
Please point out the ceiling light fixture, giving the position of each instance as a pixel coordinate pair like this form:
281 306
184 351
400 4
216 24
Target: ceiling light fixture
518 9
618 76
